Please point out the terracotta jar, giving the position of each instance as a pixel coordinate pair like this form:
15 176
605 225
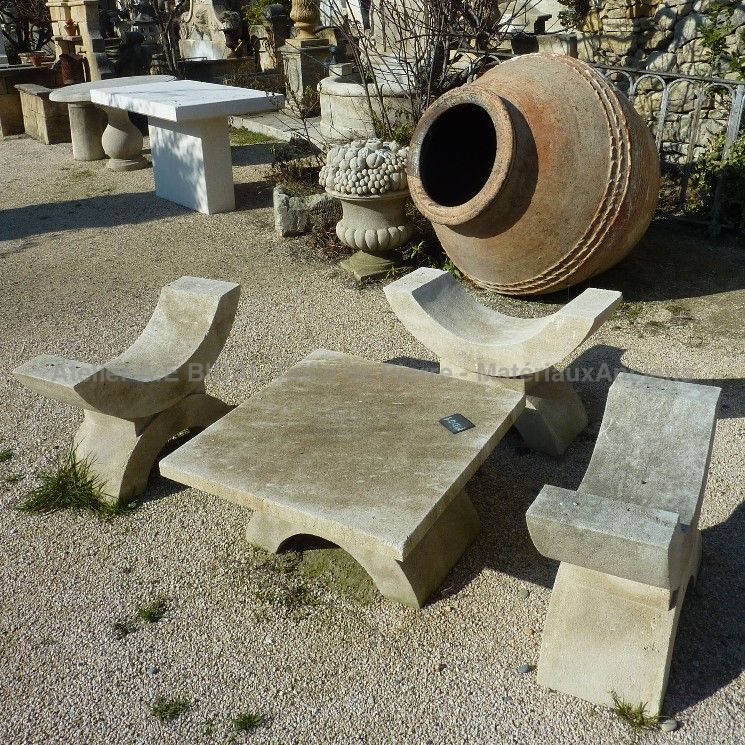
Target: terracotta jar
536 176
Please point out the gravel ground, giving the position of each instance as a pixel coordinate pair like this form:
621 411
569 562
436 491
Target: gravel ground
83 253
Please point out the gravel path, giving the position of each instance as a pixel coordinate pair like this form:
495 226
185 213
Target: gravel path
83 253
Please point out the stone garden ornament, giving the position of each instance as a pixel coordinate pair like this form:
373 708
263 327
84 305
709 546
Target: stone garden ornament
134 404
476 343
536 176
369 178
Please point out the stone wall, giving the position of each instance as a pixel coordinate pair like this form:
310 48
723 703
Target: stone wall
667 37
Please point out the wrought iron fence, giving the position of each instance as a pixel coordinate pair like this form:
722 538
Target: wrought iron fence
661 86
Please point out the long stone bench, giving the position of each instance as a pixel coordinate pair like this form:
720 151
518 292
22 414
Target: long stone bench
138 401
628 542
11 113
476 343
43 119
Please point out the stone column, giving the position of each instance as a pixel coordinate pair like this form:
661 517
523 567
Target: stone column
304 59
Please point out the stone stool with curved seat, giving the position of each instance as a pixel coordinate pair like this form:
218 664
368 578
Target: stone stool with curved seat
138 401
477 343
628 542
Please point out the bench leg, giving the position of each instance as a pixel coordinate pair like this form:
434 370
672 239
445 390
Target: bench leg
192 163
554 414
409 582
604 634
123 452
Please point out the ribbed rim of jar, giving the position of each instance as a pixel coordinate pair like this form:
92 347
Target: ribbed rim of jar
501 120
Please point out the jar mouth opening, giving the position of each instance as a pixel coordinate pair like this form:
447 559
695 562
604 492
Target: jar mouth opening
457 154
461 155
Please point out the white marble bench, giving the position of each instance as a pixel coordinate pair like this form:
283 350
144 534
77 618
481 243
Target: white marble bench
189 138
628 543
92 139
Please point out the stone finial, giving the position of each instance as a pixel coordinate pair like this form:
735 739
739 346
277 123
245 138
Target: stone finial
306 16
141 399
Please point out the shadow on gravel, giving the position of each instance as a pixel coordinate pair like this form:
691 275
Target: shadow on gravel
101 211
710 648
253 195
673 260
252 155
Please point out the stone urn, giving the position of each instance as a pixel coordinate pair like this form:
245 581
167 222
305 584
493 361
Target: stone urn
368 177
537 176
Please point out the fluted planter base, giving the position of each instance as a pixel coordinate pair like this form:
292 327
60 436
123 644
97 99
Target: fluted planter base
375 225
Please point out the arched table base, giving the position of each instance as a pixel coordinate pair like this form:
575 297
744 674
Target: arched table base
410 581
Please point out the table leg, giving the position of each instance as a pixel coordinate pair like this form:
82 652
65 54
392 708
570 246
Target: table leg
122 142
410 581
87 124
192 164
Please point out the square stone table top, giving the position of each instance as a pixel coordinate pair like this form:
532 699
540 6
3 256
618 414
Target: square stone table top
187 100
81 92
350 448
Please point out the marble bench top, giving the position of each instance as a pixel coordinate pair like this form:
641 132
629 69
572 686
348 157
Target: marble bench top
187 100
81 92
353 448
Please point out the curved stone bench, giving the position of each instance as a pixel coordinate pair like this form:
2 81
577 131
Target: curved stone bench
628 542
477 343
138 401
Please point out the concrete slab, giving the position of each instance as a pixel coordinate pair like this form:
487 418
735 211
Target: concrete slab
353 451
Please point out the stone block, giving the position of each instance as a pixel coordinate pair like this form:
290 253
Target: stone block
11 114
294 215
44 120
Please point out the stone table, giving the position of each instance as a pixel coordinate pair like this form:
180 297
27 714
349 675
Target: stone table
189 137
353 452
92 139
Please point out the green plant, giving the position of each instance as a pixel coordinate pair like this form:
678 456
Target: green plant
124 628
723 56
247 722
168 709
709 169
243 136
13 478
296 166
153 612
69 484
634 715
5 455
253 12
575 14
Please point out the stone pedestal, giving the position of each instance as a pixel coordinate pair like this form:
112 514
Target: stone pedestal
122 142
87 124
305 66
87 39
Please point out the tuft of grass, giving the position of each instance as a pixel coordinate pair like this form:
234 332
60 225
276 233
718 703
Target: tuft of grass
153 612
168 709
13 478
634 715
247 722
124 628
69 484
5 455
243 136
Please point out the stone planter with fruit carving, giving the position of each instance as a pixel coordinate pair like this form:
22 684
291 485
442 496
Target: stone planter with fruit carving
369 178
